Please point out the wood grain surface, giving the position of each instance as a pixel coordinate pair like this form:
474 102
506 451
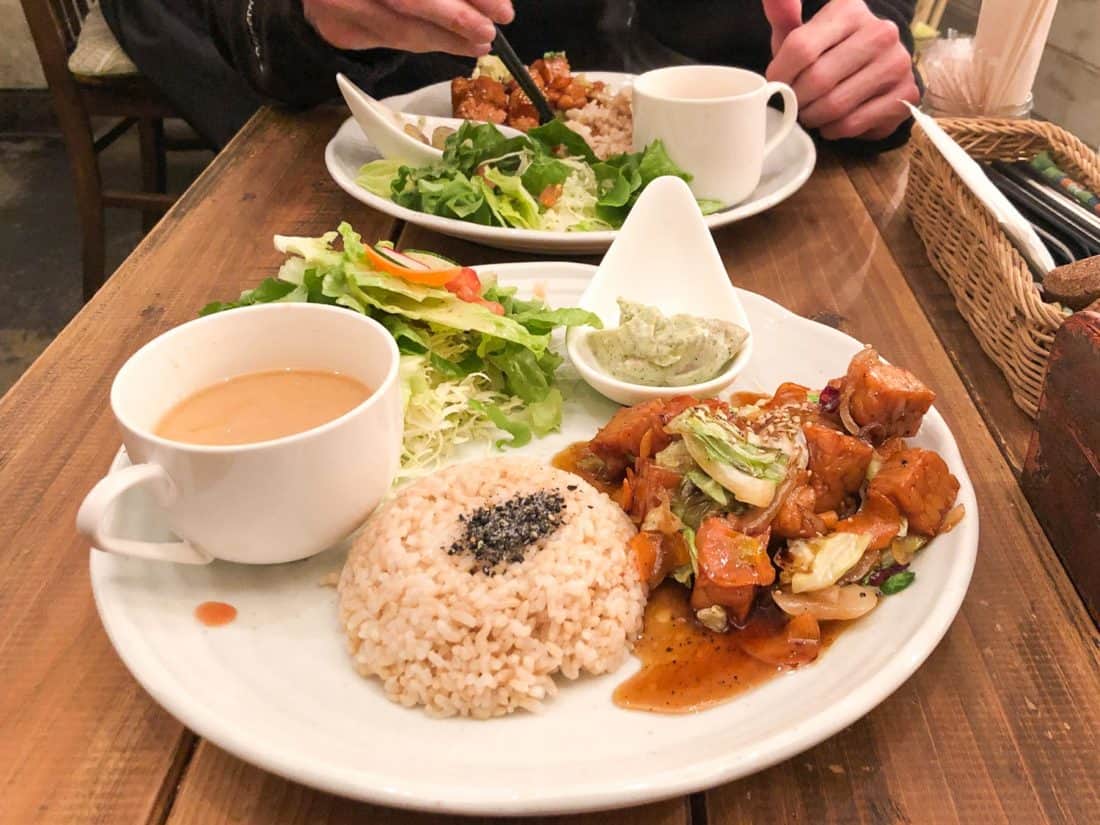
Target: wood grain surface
1001 724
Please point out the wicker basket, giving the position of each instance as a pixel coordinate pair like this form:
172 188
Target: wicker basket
992 284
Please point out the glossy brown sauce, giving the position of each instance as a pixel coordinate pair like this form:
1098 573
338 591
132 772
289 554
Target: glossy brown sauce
686 667
215 614
579 459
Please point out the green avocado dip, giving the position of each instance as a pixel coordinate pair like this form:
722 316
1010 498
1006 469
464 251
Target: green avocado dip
651 349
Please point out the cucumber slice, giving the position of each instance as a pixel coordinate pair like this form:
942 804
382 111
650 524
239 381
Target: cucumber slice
431 260
399 258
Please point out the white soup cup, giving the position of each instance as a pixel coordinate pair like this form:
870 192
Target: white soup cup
713 122
270 501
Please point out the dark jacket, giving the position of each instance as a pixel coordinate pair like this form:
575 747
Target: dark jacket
270 45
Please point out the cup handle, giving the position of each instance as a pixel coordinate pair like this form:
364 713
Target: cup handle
93 512
790 112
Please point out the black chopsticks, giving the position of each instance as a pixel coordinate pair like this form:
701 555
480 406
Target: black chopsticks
514 65
1043 210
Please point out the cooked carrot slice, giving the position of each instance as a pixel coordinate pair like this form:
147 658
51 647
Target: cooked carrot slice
729 558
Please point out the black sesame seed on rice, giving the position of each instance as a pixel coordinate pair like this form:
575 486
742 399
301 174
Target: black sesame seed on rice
501 533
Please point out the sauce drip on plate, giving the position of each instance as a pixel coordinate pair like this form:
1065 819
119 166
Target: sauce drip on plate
686 667
215 614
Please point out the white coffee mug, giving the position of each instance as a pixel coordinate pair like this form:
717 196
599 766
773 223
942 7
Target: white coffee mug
713 122
267 502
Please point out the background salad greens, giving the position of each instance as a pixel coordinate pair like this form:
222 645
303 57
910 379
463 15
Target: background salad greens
466 372
487 178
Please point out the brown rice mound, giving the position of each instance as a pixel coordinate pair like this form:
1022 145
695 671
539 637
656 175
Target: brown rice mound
440 633
606 122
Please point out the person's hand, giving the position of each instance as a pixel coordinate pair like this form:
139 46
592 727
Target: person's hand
848 68
457 26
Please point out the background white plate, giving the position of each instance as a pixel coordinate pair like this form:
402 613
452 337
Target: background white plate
277 689
785 170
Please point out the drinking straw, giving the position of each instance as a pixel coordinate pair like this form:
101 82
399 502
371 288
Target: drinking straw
1010 35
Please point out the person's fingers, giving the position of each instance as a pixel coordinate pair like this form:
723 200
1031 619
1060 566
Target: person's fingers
456 16
833 24
357 25
499 11
867 83
784 16
844 60
877 118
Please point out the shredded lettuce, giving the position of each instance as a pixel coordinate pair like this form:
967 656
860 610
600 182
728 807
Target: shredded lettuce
466 373
438 414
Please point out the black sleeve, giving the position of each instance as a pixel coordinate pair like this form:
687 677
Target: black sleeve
279 54
898 11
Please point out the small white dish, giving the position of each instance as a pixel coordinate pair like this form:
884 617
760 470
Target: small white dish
785 171
664 256
385 127
277 689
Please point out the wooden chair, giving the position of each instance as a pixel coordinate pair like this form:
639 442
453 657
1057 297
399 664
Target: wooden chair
55 26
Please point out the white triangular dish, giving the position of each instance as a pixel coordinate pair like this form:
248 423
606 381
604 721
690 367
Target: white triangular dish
383 126
663 256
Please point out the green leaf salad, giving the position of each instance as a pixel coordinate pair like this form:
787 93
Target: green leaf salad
547 179
475 358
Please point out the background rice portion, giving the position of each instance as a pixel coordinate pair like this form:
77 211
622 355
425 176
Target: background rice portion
606 122
475 645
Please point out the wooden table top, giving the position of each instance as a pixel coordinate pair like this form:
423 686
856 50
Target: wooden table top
1001 724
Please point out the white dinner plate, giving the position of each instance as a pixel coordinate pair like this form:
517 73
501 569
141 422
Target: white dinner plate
277 689
785 170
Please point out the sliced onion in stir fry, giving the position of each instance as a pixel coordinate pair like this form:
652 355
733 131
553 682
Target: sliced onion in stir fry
953 517
757 519
839 602
845 412
862 567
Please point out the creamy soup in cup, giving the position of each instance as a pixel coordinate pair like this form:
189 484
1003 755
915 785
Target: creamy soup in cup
266 434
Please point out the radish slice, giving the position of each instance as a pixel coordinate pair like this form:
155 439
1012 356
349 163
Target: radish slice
430 259
401 259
